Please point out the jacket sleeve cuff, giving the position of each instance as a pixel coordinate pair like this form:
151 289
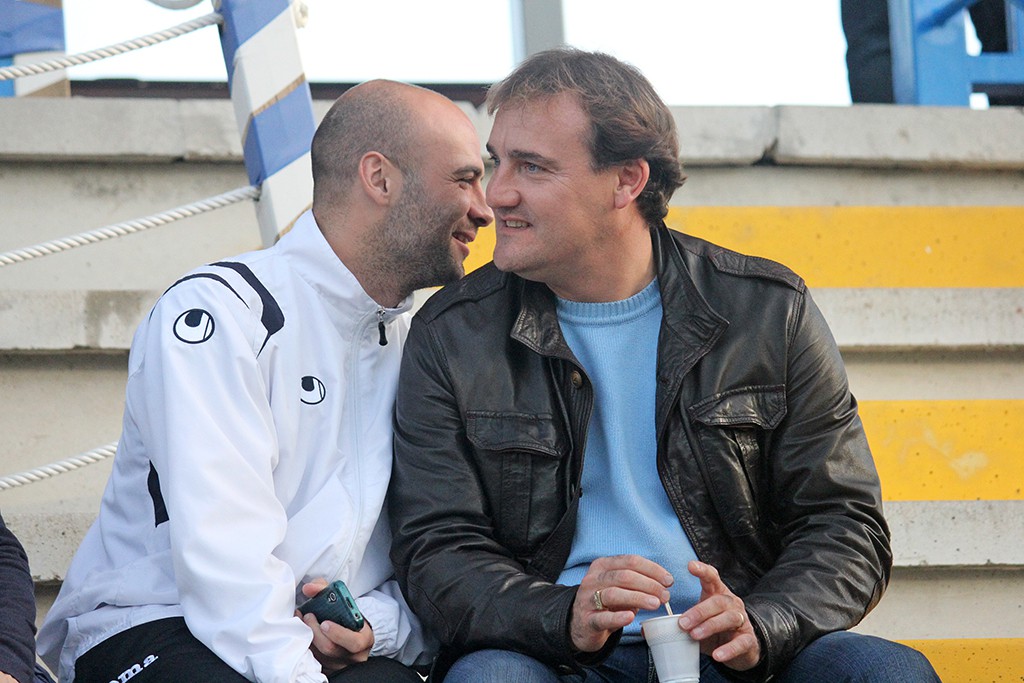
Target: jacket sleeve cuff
593 658
581 659
773 635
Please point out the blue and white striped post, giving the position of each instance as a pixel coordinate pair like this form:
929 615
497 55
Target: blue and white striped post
273 107
31 31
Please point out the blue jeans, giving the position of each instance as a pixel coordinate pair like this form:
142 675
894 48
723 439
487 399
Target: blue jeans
841 657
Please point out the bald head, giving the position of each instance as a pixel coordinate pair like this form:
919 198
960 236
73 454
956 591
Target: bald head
376 116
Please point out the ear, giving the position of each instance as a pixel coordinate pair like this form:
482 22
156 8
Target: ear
378 177
631 179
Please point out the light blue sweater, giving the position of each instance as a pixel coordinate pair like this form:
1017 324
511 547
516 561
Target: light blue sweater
624 508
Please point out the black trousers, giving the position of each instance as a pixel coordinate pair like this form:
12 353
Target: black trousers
165 651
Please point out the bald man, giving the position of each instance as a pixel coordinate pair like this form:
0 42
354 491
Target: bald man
256 444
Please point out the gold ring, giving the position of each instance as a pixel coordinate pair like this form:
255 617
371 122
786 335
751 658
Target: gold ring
598 603
743 619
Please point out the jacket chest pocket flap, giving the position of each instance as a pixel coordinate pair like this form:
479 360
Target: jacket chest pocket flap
521 458
732 428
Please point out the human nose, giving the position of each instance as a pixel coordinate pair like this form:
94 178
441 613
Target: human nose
500 193
479 212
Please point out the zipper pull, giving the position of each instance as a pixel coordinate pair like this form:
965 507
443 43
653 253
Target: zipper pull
380 327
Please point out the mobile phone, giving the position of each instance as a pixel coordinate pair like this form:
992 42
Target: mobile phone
335 603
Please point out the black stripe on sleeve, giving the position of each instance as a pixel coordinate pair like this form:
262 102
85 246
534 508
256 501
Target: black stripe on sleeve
273 316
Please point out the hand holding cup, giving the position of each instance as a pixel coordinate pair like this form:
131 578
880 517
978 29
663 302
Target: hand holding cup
719 622
613 590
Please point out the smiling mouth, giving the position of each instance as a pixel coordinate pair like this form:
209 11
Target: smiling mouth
515 224
464 237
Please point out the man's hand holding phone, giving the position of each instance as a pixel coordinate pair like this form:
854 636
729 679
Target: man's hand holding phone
341 636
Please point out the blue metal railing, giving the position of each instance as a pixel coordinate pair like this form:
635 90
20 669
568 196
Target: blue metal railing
931 64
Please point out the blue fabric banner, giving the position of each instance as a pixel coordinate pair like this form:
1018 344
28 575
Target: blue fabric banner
6 87
30 27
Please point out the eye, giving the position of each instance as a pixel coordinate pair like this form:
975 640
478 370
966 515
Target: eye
495 160
531 168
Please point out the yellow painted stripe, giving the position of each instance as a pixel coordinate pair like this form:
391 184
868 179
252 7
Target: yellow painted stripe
947 450
860 246
481 250
873 246
974 660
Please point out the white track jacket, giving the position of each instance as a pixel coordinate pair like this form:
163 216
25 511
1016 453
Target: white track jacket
254 457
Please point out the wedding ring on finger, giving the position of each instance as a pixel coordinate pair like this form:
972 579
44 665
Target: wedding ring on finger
598 603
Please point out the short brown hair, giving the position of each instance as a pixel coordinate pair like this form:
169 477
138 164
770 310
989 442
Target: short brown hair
628 120
372 116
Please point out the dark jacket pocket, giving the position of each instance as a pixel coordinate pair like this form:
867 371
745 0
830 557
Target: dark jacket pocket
733 430
526 454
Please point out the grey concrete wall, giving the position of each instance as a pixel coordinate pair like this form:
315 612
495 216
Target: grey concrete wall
91 163
66 320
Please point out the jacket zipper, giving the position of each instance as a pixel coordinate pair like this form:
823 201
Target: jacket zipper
383 340
354 384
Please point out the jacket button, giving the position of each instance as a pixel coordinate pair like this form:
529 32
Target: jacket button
576 378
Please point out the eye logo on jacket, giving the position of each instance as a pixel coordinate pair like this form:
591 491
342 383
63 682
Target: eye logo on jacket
194 326
313 390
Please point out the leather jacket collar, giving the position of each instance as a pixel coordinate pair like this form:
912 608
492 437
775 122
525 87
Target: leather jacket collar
690 326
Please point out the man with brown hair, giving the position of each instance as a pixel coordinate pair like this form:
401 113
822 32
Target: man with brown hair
614 416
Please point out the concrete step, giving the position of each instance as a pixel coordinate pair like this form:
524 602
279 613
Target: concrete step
905 221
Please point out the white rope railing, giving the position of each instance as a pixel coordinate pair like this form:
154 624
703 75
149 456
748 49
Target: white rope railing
47 471
81 239
12 72
110 231
128 227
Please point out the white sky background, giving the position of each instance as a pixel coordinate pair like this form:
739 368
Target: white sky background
724 52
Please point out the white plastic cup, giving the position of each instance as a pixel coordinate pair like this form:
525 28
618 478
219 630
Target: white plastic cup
676 655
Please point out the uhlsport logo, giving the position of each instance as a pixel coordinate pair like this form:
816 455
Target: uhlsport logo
194 326
313 390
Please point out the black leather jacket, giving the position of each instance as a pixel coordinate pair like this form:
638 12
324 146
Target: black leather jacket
760 450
